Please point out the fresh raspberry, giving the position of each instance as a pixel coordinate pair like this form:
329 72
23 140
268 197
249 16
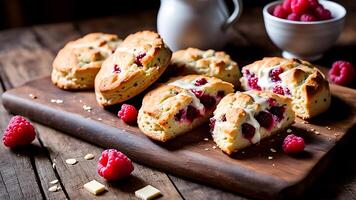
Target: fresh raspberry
342 72
287 5
114 165
253 83
201 81
278 90
220 94
208 101
300 6
293 17
322 13
197 93
280 12
18 132
293 144
128 113
314 3
192 113
278 112
308 18
274 74
117 69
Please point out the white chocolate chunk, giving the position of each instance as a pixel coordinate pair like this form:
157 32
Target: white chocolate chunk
89 156
94 187
147 193
71 161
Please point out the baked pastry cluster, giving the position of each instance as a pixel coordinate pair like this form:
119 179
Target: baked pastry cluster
209 63
294 78
77 64
180 105
137 63
245 118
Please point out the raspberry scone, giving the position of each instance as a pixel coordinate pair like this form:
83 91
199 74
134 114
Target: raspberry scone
136 64
180 105
77 64
209 63
298 79
245 118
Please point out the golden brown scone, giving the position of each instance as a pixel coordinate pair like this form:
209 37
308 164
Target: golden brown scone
209 63
137 63
245 118
298 79
77 64
180 105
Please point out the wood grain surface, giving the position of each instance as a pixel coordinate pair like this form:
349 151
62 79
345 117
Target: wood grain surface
27 53
250 172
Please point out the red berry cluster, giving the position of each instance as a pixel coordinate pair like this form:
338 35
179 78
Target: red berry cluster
302 10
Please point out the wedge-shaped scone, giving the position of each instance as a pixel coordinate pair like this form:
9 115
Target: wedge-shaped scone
137 63
77 64
245 118
300 80
180 105
209 63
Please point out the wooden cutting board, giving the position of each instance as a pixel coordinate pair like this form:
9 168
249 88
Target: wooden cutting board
256 171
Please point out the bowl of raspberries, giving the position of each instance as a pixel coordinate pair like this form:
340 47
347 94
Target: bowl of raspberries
304 29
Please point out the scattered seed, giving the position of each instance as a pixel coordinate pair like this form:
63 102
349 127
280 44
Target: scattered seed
87 108
328 128
89 156
273 150
206 149
71 161
317 133
54 181
336 134
270 157
312 129
289 130
54 165
54 188
58 101
206 139
214 147
33 96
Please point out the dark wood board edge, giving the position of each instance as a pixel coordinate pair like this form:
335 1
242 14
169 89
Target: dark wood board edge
133 146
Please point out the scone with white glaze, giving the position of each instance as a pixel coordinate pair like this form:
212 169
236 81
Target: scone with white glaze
180 105
245 118
209 63
136 64
300 80
77 64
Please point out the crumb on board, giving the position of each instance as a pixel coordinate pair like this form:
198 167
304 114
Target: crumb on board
270 157
273 150
57 101
206 149
206 139
87 108
32 96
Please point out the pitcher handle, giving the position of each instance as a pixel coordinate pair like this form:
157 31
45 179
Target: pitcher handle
235 15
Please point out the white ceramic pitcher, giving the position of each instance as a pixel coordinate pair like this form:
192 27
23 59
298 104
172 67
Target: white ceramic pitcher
196 23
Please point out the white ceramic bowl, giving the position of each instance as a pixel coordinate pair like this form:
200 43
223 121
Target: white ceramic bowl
304 40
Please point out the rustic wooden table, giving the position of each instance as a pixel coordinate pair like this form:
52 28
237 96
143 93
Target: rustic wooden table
27 54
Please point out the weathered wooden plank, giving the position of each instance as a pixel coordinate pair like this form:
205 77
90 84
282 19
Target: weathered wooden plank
73 179
17 175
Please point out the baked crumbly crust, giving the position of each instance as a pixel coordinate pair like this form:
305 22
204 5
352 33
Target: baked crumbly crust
161 116
77 64
137 63
209 63
242 107
308 86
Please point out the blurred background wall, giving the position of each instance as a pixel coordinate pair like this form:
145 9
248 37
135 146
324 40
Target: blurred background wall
17 13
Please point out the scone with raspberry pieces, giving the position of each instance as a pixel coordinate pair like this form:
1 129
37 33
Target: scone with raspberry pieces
300 80
209 63
77 64
136 64
245 118
180 105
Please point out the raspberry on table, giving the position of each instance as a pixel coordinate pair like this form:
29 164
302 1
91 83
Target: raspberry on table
280 12
18 132
307 18
128 113
293 144
300 6
314 3
114 165
342 72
